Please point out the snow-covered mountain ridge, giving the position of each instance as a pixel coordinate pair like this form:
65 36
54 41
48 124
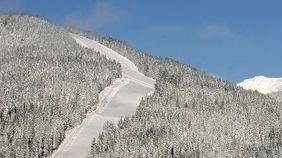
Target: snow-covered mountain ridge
262 84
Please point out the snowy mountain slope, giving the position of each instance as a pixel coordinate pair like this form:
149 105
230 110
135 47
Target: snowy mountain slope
121 99
48 84
262 84
129 69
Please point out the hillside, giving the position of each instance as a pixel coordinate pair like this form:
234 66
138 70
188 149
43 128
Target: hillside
262 84
47 84
191 114
117 100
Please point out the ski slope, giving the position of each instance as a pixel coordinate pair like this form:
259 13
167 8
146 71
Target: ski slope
129 70
262 84
118 100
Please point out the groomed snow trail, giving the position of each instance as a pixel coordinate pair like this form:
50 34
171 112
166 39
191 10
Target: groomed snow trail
118 100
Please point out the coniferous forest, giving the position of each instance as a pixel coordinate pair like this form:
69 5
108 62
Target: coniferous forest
191 114
47 84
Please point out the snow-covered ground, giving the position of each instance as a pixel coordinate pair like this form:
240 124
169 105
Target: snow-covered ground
262 84
119 99
129 70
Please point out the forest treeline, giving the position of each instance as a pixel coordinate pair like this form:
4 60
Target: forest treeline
47 84
191 114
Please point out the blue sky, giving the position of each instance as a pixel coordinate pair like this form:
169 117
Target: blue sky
232 39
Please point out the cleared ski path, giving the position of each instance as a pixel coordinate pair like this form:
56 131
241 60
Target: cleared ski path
119 99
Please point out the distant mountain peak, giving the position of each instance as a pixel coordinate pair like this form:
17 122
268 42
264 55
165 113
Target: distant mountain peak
262 84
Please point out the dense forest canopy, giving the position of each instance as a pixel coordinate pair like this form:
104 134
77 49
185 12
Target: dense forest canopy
191 114
47 84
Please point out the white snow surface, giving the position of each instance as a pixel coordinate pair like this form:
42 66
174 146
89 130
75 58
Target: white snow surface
118 100
262 84
129 70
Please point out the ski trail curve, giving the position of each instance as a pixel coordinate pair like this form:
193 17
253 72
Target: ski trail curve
118 100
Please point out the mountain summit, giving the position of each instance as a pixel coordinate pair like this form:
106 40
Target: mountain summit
262 84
